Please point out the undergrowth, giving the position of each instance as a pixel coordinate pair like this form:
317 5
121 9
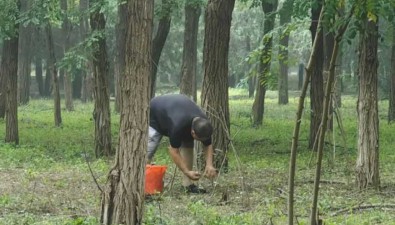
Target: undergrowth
46 179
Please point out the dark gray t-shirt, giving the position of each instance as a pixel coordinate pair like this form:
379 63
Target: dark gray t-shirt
172 115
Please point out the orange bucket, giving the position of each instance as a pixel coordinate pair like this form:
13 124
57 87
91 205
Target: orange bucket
154 178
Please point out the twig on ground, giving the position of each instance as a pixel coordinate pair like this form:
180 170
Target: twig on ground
363 207
91 171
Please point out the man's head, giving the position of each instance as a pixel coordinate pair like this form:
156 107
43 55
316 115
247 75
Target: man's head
201 129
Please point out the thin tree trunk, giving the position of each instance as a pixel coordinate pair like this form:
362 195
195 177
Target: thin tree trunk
123 197
101 113
251 79
215 99
367 166
24 58
3 88
84 27
189 57
258 107
48 79
329 42
317 82
285 18
66 30
298 121
325 115
9 67
39 74
53 72
159 40
391 108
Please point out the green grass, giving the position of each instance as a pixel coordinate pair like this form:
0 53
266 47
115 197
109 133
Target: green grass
46 179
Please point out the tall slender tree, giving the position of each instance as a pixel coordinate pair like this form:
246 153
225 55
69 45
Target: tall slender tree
391 108
189 56
52 71
101 113
86 90
24 57
367 166
123 197
269 7
160 39
215 99
285 18
66 31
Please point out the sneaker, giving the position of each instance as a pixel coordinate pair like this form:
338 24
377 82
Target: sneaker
194 189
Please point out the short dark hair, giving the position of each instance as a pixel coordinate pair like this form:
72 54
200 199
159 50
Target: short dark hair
202 127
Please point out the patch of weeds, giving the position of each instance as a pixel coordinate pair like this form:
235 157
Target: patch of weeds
203 214
153 215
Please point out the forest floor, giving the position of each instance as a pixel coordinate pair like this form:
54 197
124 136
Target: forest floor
46 180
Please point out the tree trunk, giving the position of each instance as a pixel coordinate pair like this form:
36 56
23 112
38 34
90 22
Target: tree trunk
215 99
367 167
48 79
84 27
300 75
391 108
9 68
258 107
317 82
251 79
38 62
3 87
123 197
119 68
24 58
101 113
53 72
329 41
285 18
66 31
160 40
189 57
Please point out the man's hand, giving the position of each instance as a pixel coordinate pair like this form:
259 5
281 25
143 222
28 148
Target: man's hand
210 172
193 175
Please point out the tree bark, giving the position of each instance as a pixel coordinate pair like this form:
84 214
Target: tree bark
9 68
3 88
215 99
285 18
53 72
258 106
123 197
367 166
317 81
159 40
391 108
66 31
101 113
119 67
189 57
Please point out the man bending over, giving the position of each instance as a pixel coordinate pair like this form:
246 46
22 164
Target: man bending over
180 119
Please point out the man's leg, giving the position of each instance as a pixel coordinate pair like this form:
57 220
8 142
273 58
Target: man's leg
187 156
154 138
